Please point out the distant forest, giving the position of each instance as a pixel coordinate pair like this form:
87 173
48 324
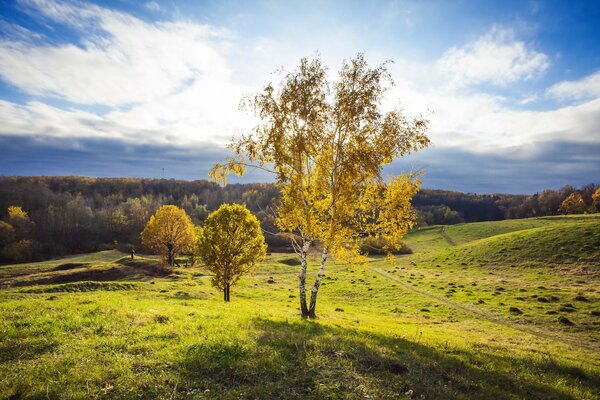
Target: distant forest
68 215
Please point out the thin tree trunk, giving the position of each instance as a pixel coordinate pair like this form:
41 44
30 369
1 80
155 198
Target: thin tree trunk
303 267
228 292
315 288
226 288
170 255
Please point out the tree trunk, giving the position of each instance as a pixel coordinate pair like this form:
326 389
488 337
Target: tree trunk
315 288
170 255
226 287
228 291
303 267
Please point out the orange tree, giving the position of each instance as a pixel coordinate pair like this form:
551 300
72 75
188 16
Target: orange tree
573 204
327 144
169 231
596 199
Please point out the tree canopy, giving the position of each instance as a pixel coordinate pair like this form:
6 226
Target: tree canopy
230 244
327 144
573 204
596 199
170 232
16 235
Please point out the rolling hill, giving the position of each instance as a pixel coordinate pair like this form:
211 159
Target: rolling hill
491 310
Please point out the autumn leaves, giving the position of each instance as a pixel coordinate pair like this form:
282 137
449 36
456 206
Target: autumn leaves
230 243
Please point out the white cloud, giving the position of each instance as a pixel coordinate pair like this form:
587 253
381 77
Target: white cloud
166 82
483 122
180 83
51 121
495 58
127 61
585 88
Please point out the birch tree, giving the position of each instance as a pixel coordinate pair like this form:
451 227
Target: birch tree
326 144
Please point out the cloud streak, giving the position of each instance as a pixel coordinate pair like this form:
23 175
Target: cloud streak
585 88
127 83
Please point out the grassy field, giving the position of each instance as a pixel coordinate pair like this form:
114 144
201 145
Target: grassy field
494 310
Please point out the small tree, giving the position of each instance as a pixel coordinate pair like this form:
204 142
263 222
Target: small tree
596 199
20 221
170 232
327 144
16 233
231 243
573 204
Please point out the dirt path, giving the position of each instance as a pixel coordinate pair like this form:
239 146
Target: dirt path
445 236
490 317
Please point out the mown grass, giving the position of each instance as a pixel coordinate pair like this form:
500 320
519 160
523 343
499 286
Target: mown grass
412 329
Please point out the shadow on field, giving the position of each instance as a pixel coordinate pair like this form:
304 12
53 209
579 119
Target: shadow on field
308 360
131 270
26 349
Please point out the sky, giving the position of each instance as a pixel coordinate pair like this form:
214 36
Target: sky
129 88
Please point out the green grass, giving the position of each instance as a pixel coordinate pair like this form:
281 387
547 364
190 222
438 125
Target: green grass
107 256
436 324
568 242
463 233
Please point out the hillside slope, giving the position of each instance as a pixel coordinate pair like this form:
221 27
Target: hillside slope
464 233
572 240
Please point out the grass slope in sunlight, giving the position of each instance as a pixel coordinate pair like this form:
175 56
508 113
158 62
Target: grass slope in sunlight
568 242
436 324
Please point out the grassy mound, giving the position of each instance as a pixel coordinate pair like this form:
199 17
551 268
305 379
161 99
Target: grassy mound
82 287
66 263
123 269
464 233
571 241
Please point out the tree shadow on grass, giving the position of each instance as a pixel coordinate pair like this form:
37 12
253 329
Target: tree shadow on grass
308 360
21 350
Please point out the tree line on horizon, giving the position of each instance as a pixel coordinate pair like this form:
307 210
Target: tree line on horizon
72 214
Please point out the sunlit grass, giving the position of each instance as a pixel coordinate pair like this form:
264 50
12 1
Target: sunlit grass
413 328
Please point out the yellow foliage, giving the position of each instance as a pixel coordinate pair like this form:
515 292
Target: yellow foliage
328 155
596 198
573 204
19 220
231 243
16 212
327 144
596 195
169 231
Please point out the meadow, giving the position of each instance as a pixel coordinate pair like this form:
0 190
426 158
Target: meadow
489 310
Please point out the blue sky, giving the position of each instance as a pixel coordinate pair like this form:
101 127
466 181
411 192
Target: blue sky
126 88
